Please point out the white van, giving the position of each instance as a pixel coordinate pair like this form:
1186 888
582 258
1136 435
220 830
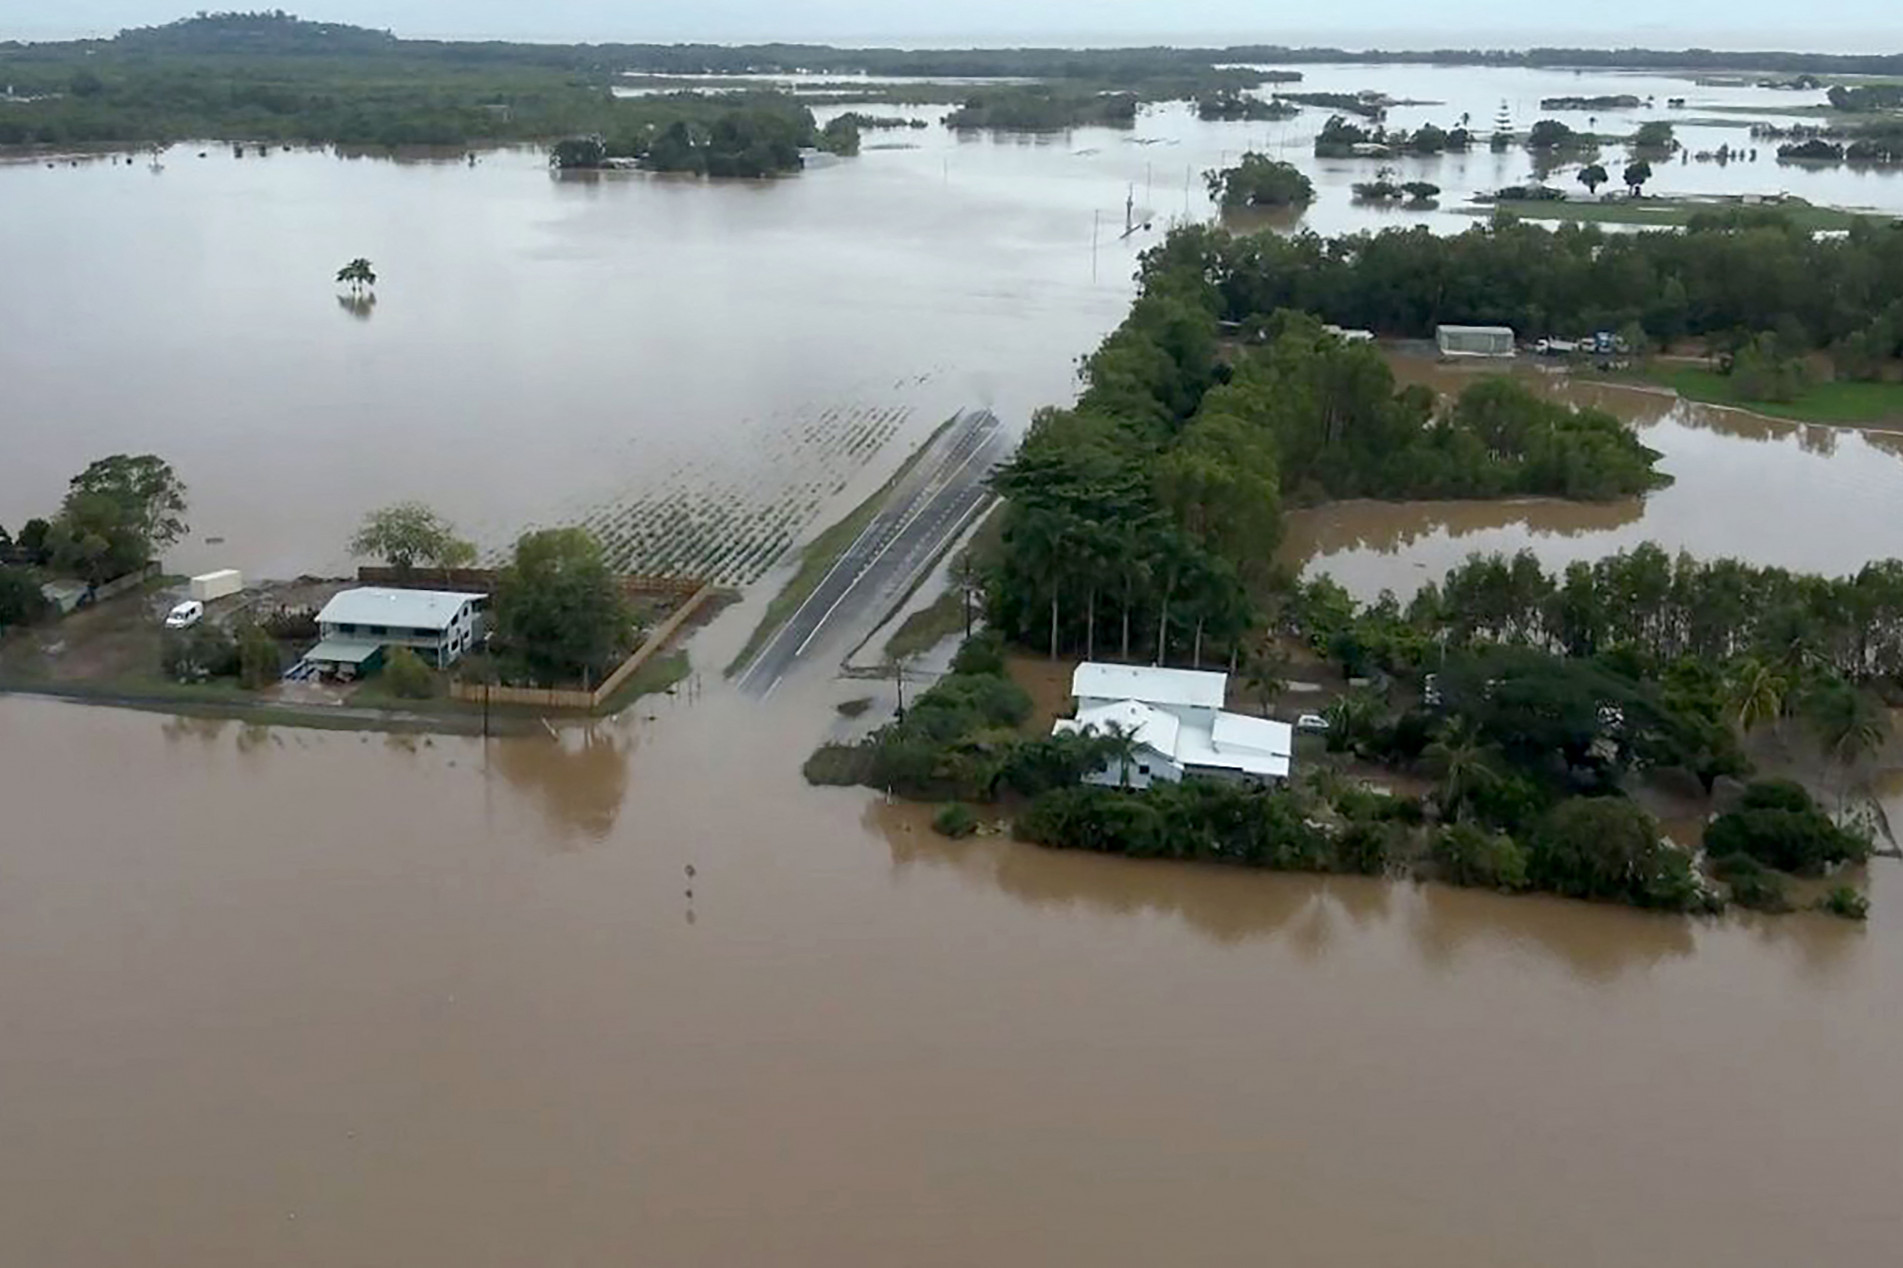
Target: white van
185 615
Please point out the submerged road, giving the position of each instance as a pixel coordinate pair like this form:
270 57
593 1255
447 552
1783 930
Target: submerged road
937 500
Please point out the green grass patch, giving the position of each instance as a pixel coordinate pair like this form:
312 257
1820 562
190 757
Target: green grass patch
1672 213
1831 402
656 675
822 553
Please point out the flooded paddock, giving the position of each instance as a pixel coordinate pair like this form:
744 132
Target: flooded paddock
299 998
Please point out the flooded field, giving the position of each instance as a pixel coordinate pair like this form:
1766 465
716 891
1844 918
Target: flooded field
636 994
296 998
701 371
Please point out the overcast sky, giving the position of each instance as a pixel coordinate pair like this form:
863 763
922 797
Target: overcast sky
1824 25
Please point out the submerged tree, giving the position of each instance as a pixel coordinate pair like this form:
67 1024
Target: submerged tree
358 275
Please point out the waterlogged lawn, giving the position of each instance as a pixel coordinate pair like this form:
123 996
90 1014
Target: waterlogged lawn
1833 402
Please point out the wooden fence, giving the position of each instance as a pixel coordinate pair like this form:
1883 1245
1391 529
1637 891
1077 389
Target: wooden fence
557 698
484 581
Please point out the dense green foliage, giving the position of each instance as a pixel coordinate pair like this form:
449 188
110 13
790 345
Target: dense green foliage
956 820
1655 135
1610 850
1341 429
407 676
1260 181
1746 272
960 739
1198 820
268 77
1859 98
203 651
559 611
1042 108
118 514
1234 105
1777 824
1551 134
1667 608
1339 138
1146 516
21 602
406 534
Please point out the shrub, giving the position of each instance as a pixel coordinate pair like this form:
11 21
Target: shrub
1846 902
259 661
1608 848
1752 884
20 599
407 675
204 651
980 654
1470 855
840 765
1777 824
955 821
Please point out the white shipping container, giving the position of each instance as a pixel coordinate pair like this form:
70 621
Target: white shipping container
216 585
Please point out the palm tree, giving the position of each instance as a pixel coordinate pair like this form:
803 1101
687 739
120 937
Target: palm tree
1118 743
358 274
1265 673
1848 725
1755 694
1460 760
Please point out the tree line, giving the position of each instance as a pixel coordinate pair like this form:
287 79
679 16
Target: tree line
1144 520
1743 272
757 134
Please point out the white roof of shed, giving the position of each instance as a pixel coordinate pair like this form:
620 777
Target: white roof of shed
1240 733
1189 688
383 605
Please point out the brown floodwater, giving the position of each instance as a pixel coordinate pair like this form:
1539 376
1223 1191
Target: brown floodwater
1801 496
635 994
288 997
701 371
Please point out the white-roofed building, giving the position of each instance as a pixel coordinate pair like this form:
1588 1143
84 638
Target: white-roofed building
1175 720
438 625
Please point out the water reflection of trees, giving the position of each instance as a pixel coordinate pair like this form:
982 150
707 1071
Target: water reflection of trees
1307 914
1225 905
1597 943
579 781
1390 527
361 306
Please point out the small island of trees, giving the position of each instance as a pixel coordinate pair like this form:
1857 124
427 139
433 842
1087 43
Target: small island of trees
1260 181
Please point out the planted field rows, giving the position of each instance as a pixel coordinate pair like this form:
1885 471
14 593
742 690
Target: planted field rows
730 515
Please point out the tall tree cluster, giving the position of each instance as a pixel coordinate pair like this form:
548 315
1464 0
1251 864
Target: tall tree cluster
1743 271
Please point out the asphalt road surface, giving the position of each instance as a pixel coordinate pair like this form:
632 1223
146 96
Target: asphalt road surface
936 501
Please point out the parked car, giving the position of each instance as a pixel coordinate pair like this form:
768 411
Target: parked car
1312 722
185 615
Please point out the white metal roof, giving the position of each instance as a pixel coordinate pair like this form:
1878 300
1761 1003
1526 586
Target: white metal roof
1232 741
1240 733
387 606
1152 728
1196 746
1150 685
